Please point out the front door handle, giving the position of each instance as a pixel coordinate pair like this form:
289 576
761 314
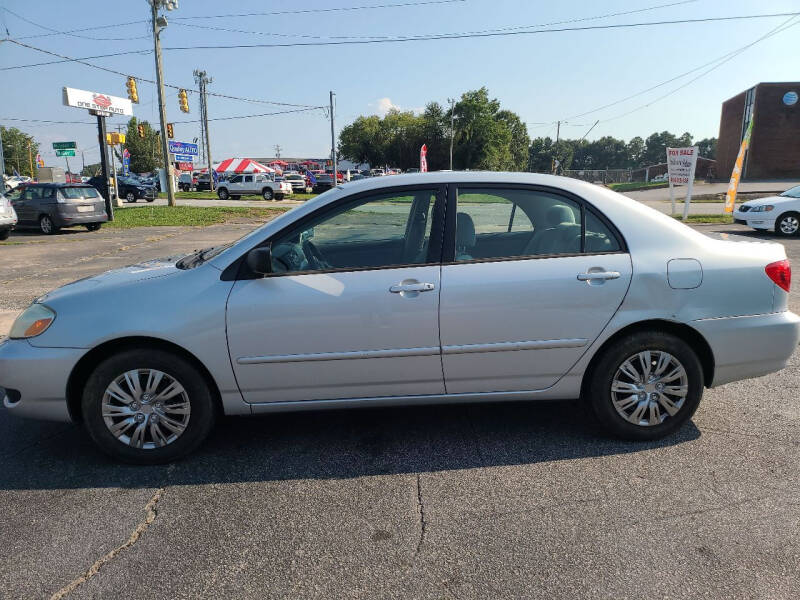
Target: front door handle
598 275
411 287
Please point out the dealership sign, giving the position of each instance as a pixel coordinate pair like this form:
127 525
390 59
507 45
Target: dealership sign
95 101
182 148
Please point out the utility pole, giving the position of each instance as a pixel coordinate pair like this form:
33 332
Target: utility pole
101 135
83 161
333 143
30 160
277 150
2 159
202 80
160 23
555 160
452 127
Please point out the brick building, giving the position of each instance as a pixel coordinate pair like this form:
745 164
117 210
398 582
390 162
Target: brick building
775 143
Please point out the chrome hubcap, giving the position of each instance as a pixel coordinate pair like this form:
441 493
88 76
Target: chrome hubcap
649 387
789 225
146 408
46 225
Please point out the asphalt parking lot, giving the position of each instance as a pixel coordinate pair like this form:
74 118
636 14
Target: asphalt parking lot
517 500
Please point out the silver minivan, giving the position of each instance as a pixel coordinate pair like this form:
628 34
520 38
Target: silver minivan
49 207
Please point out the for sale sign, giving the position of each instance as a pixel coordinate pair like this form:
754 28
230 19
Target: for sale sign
681 163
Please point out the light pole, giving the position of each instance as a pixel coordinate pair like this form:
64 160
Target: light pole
159 23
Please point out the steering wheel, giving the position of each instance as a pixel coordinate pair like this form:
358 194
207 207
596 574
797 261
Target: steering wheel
314 257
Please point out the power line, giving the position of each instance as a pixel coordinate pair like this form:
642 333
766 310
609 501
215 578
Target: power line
726 58
663 83
323 10
44 121
389 37
270 13
69 33
281 112
142 79
453 36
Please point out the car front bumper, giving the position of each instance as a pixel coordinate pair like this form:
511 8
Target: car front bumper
756 220
33 381
750 346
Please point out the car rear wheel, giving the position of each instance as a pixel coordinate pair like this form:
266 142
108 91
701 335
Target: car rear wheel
646 386
94 226
147 406
223 194
788 224
4 233
130 197
266 193
47 226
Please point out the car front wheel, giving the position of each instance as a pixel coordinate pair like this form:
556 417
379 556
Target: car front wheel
147 406
788 224
646 386
130 197
223 194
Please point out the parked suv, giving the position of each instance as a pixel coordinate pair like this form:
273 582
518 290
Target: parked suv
8 217
129 188
186 182
255 184
51 206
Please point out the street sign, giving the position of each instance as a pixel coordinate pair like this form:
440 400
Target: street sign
182 148
65 152
184 158
64 145
97 101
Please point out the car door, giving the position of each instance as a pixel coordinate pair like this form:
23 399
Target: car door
29 207
531 277
235 184
337 318
248 185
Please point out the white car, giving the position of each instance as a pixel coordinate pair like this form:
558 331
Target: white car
12 182
774 213
8 217
660 178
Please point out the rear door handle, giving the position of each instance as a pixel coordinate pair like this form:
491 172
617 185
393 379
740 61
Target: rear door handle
598 275
411 287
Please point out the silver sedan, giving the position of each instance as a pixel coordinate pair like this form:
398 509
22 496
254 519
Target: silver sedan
414 289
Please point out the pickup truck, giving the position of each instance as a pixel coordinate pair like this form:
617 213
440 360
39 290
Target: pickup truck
255 184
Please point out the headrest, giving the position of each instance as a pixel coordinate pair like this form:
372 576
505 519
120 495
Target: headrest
465 231
558 214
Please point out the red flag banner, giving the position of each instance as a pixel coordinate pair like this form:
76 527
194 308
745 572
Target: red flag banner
423 159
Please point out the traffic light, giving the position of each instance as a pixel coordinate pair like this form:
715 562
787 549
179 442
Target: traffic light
140 127
183 101
112 139
170 131
133 93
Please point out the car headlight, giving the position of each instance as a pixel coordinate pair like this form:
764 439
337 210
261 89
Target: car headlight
32 322
762 208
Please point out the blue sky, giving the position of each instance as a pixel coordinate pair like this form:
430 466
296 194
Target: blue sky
542 77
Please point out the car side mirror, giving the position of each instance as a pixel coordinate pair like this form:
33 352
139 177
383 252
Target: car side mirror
260 260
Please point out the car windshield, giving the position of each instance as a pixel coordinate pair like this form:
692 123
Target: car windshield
73 193
792 192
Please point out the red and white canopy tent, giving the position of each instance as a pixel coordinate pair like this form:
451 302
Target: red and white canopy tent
278 163
242 165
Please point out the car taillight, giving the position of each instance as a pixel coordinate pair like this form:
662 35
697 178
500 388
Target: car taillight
780 273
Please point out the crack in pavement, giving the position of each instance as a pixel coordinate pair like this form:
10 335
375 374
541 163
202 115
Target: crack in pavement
422 523
151 514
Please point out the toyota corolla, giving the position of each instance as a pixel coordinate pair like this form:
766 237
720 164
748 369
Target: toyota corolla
414 289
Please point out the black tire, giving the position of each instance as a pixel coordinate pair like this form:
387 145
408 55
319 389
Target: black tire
130 197
599 385
46 225
236 196
267 193
4 233
93 226
279 197
223 194
150 199
788 224
202 409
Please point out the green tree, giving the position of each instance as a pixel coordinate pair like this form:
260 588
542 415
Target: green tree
635 151
707 147
520 140
145 152
482 141
361 141
91 170
18 148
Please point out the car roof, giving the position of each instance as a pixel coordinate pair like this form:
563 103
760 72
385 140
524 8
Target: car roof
56 184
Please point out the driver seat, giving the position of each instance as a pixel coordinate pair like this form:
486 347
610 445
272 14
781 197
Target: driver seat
465 236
